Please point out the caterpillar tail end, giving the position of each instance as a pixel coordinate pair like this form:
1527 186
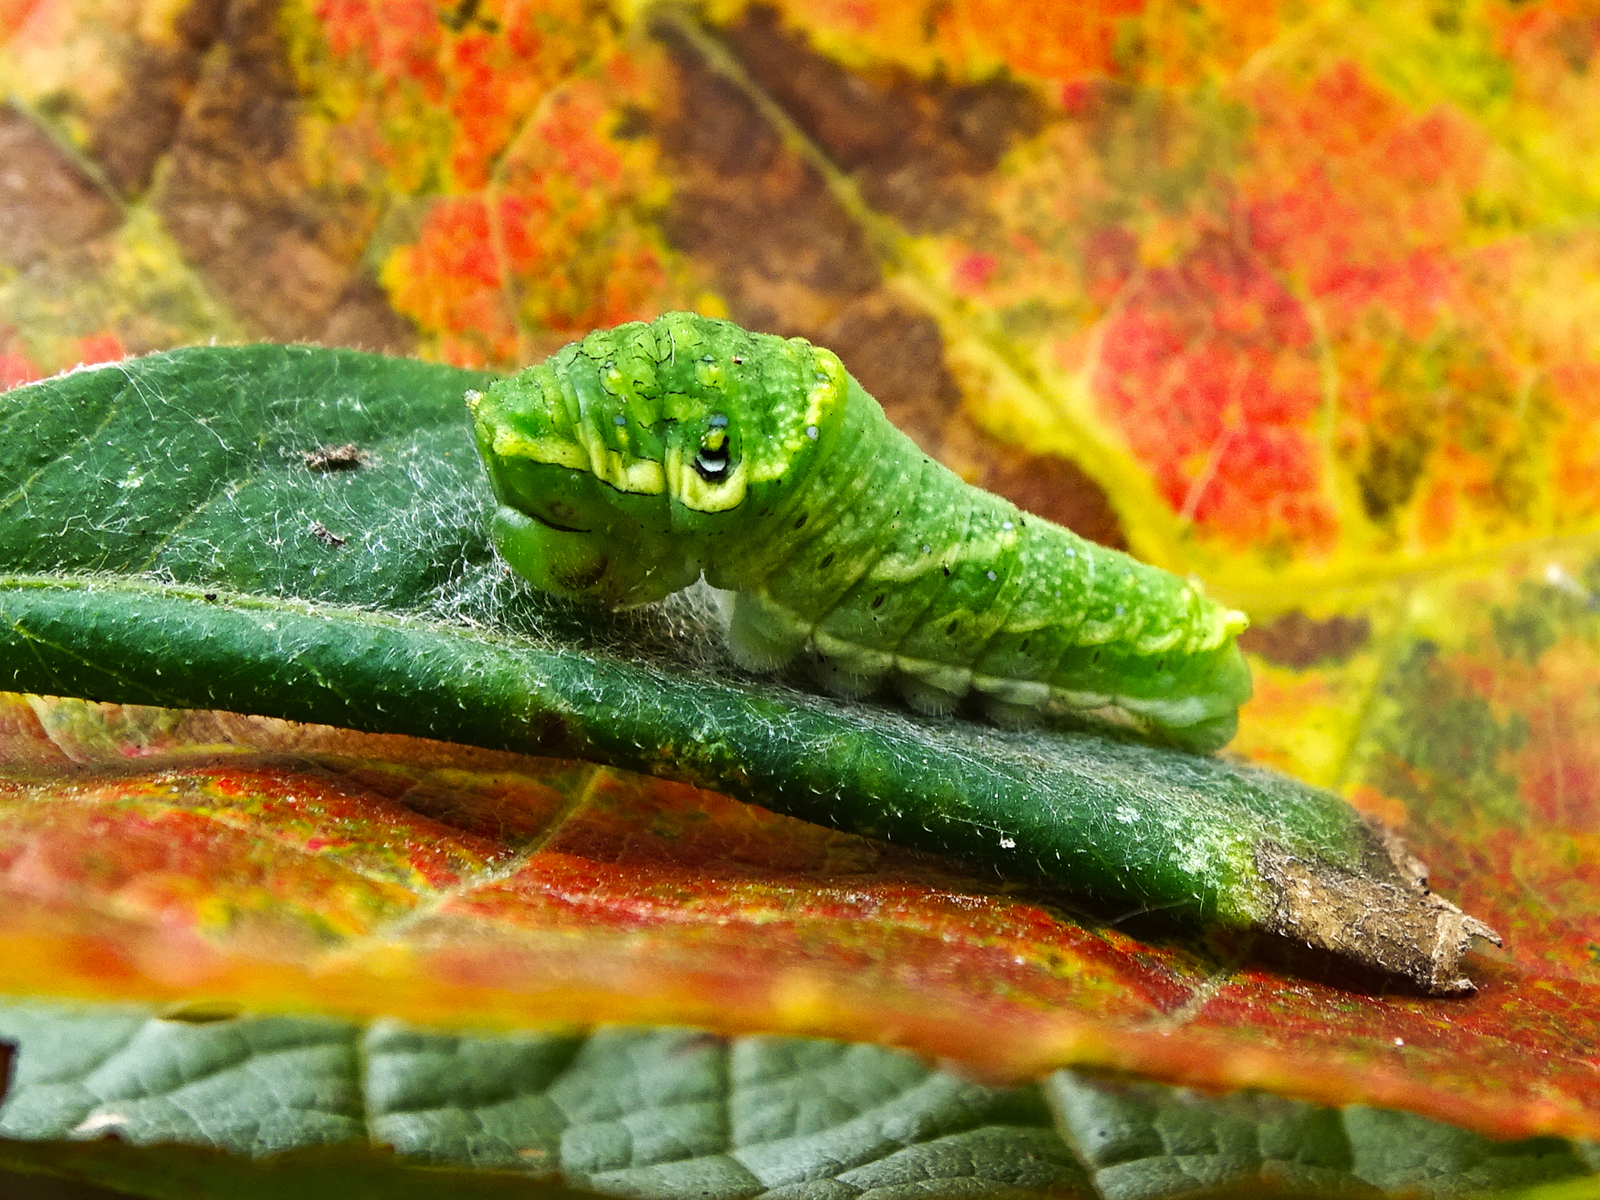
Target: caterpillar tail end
1208 719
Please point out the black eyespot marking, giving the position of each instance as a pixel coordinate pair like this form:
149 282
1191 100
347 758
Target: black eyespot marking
953 626
827 561
800 520
710 468
877 601
1024 646
1095 657
947 572
712 460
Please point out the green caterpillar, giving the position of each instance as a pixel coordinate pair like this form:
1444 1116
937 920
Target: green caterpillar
630 463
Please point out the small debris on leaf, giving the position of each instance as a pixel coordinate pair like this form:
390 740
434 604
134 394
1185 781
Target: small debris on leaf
347 457
325 535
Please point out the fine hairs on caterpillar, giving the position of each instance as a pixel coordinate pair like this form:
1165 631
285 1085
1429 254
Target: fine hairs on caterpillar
634 461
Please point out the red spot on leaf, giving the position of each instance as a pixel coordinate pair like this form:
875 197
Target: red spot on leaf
973 272
396 39
555 242
1211 371
1077 96
1110 258
1035 37
488 76
16 369
451 280
100 348
14 14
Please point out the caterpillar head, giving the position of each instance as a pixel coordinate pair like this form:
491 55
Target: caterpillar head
629 462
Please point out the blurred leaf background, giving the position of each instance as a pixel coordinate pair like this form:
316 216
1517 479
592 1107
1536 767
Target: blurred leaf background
1301 298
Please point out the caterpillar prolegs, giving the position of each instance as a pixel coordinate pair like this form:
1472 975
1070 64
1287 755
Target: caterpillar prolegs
634 461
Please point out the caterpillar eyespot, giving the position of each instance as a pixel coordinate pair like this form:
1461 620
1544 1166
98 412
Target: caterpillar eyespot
634 461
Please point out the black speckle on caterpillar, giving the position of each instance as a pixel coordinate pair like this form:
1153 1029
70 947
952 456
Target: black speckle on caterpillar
634 461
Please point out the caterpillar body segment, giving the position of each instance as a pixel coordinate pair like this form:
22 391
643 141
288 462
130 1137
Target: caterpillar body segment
631 463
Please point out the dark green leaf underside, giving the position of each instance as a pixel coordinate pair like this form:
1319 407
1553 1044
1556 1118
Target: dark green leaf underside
315 1104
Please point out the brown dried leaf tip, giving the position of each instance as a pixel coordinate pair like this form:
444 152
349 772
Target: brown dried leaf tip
1384 916
347 457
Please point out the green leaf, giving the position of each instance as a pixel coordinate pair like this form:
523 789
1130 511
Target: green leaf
168 537
250 1087
666 1113
660 1112
1144 1140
